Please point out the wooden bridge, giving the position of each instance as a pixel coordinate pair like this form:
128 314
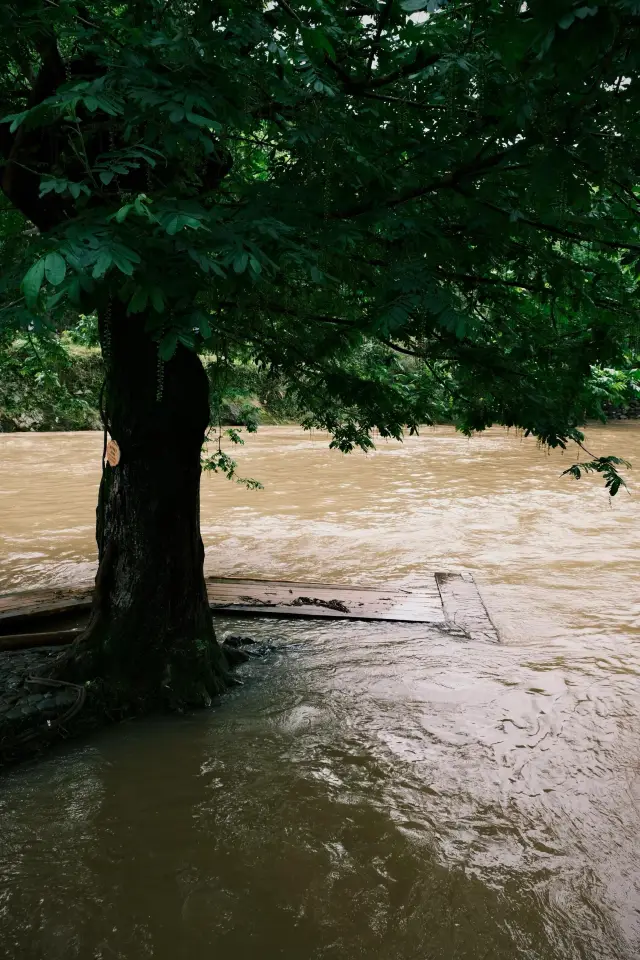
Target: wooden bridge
448 600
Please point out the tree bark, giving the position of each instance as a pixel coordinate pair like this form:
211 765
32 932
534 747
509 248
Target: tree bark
150 641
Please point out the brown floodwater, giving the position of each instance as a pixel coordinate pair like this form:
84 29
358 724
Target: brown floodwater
373 790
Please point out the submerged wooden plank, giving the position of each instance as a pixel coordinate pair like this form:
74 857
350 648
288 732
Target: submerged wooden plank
298 598
35 604
312 611
46 638
463 606
41 599
439 599
322 600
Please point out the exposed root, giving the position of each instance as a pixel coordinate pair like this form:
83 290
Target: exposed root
43 732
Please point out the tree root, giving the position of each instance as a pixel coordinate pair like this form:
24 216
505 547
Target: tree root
50 727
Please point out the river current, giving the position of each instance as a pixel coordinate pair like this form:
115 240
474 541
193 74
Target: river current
376 791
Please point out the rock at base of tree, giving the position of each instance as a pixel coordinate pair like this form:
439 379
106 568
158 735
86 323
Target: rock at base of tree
236 646
231 640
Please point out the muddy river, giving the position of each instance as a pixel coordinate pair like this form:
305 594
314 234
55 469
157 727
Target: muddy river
374 791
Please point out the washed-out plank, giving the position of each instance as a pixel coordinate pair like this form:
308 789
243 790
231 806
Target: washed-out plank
28 605
439 599
464 607
323 600
46 638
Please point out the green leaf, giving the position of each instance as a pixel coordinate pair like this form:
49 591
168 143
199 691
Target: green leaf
317 40
157 300
176 115
140 207
565 22
32 282
121 214
74 290
213 266
138 301
106 176
606 466
235 436
167 346
123 262
55 299
46 186
109 106
102 264
193 222
204 326
546 42
201 121
54 268
15 119
411 6
240 262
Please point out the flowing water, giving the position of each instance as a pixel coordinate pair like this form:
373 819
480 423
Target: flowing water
373 790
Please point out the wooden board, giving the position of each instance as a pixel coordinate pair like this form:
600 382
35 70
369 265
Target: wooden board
441 599
28 605
464 607
323 600
46 638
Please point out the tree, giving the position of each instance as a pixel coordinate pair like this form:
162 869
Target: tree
319 186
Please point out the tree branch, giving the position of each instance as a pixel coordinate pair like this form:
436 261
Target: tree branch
370 95
473 278
294 16
382 22
399 349
473 168
354 85
421 62
560 232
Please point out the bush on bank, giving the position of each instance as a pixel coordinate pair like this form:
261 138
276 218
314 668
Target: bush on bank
49 384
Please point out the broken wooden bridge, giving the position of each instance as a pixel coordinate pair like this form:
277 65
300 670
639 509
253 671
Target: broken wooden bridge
451 600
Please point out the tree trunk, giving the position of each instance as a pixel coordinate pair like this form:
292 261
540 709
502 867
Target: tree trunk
150 641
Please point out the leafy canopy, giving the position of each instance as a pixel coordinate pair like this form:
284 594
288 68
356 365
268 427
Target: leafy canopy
330 188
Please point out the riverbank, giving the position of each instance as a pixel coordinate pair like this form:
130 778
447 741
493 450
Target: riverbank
32 712
55 386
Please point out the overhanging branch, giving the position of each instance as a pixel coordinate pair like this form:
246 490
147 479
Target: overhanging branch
560 231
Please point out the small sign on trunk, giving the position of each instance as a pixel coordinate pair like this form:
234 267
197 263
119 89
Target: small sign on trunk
113 453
